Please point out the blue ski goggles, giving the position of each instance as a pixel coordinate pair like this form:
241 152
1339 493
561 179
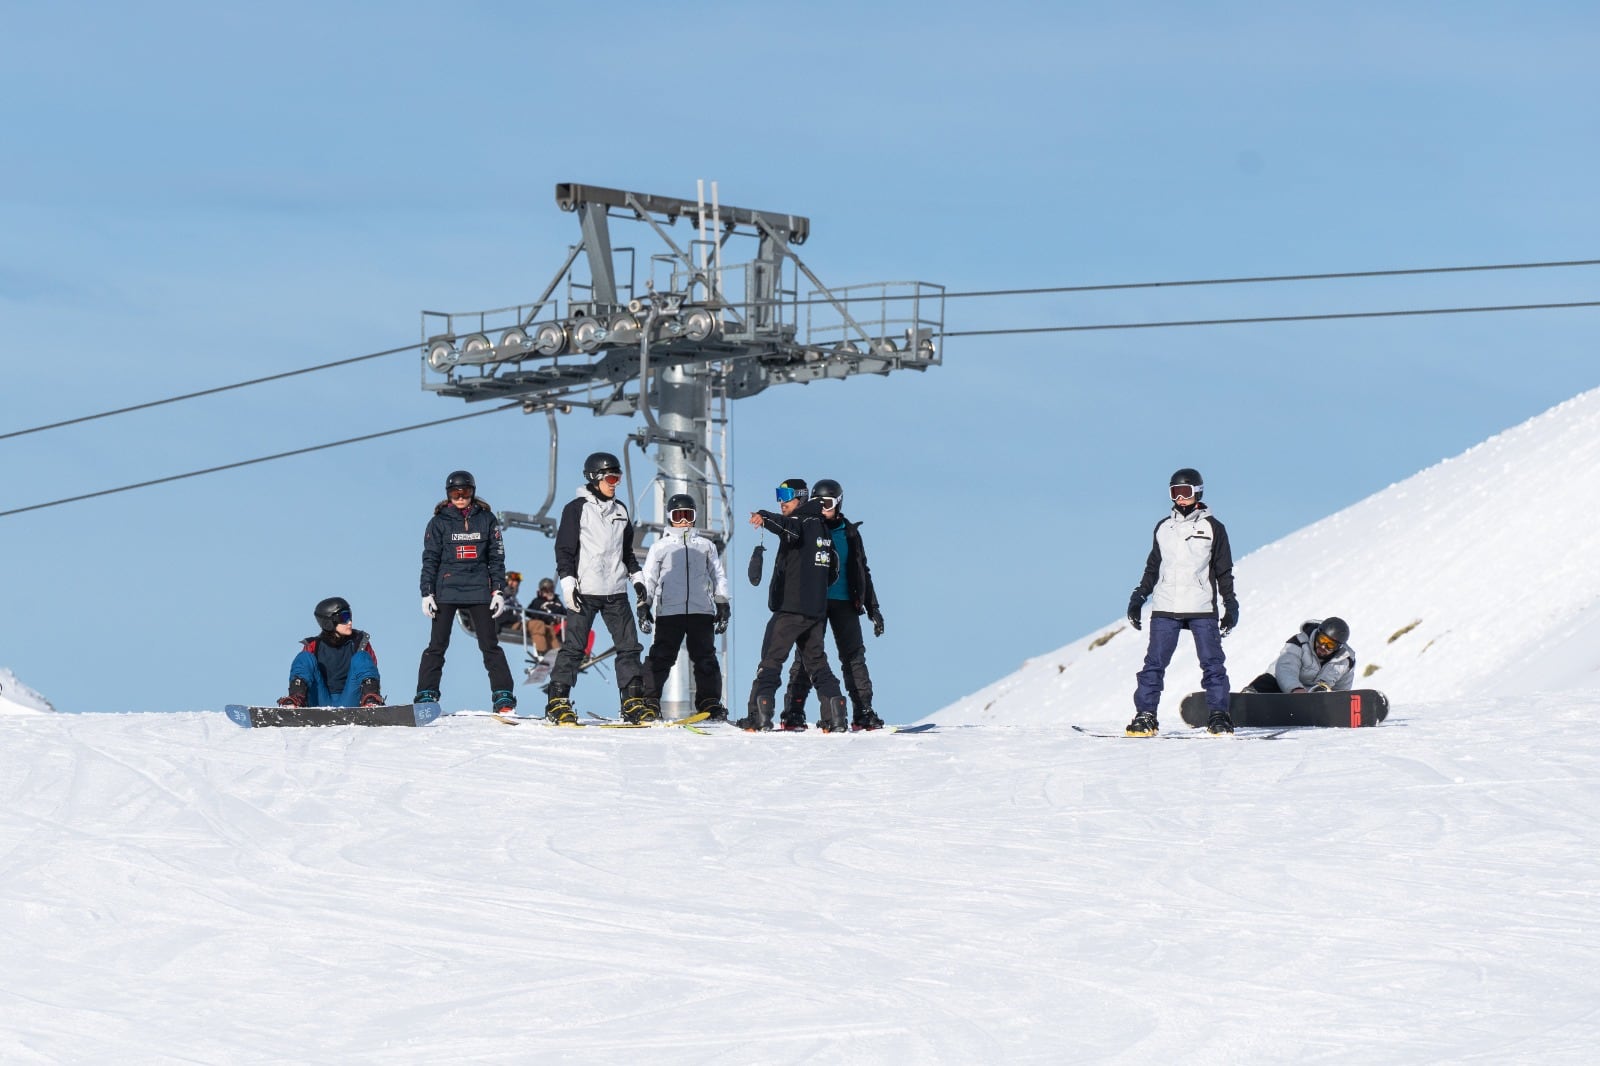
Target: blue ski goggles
343 618
785 494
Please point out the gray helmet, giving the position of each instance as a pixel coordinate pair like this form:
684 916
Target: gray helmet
329 610
600 463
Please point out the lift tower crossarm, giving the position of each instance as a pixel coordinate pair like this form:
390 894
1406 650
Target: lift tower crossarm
571 196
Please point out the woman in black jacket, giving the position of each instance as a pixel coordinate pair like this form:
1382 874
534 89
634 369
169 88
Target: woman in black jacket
464 569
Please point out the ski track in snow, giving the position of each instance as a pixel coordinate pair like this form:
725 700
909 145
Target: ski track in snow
180 890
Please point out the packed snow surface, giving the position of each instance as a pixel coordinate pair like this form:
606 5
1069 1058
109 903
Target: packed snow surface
179 889
1004 889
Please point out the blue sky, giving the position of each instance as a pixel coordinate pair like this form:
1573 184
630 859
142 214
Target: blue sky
195 194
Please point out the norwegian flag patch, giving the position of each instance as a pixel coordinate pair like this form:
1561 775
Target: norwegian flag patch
466 551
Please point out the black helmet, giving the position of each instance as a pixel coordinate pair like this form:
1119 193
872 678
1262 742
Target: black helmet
600 463
829 488
681 500
329 610
1191 477
1335 629
460 479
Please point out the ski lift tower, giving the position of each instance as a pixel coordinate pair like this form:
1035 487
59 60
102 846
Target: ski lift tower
670 347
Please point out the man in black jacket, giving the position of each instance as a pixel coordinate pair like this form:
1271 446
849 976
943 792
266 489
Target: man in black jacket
798 598
850 596
464 569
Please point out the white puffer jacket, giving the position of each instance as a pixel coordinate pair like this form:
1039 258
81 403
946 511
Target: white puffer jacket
683 574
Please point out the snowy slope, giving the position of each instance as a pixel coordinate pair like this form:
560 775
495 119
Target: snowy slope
177 889
17 698
1476 577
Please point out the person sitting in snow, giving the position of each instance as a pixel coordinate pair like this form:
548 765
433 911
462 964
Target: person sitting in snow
1316 659
336 668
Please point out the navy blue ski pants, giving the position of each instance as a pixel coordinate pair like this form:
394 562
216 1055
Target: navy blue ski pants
1163 642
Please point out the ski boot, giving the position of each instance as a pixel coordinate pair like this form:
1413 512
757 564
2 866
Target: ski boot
834 718
1143 725
298 690
504 702
558 708
426 695
715 711
865 719
1220 722
636 710
793 721
759 720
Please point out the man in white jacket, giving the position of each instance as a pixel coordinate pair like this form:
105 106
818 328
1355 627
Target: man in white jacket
685 582
1188 574
595 565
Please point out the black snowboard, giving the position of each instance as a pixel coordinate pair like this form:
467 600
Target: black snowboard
1358 707
395 714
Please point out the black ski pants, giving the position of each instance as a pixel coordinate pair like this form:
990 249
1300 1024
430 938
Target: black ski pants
852 647
786 632
671 631
618 617
483 627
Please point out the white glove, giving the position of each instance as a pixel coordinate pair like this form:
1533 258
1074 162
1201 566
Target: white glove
569 594
497 605
429 606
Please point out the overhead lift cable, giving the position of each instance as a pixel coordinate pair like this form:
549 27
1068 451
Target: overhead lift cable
1269 318
259 459
1057 289
210 392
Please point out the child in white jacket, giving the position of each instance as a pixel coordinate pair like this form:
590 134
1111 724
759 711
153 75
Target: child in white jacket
685 582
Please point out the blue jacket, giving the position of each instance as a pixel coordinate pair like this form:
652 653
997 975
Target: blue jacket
317 656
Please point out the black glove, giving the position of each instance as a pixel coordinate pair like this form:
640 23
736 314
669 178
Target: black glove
724 612
1135 611
639 593
876 617
1230 617
647 621
755 564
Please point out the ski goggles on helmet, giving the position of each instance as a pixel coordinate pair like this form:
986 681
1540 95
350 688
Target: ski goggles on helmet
785 494
829 503
610 477
342 618
1184 493
1325 644
512 575
460 492
682 514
